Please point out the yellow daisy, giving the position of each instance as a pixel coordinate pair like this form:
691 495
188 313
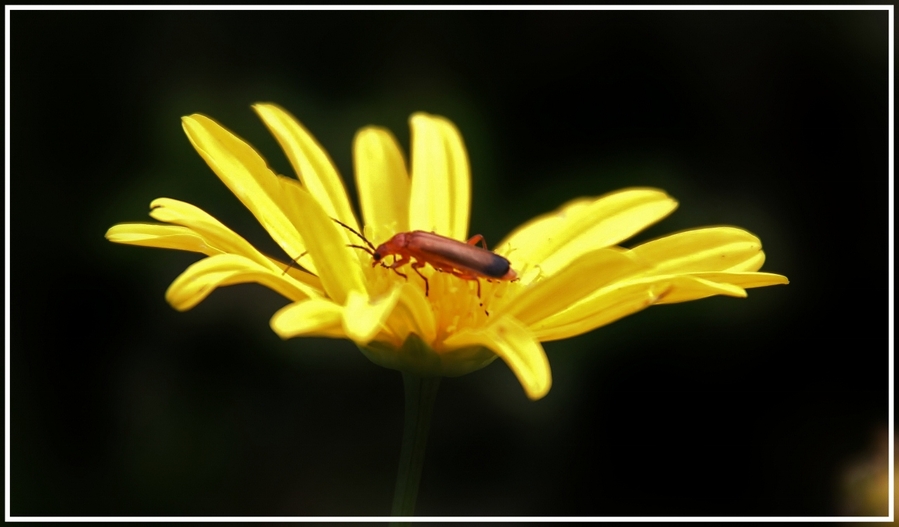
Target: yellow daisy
572 275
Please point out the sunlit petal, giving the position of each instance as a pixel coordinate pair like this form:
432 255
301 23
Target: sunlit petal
244 171
554 240
732 281
383 182
201 278
160 236
338 265
441 180
186 239
216 234
708 249
310 161
592 271
621 299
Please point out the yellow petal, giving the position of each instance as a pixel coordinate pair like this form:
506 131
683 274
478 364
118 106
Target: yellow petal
160 236
707 249
591 271
244 171
441 181
201 278
213 231
184 239
752 263
336 264
625 298
383 183
363 317
310 161
413 314
516 345
554 240
296 271
316 317
725 279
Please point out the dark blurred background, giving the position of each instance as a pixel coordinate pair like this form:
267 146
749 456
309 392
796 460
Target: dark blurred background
773 121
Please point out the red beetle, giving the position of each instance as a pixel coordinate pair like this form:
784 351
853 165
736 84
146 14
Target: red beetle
465 260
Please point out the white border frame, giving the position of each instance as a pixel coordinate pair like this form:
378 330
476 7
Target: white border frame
891 421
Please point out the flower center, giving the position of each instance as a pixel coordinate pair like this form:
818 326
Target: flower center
454 301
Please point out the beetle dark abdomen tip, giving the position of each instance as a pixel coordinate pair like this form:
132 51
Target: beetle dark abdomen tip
497 268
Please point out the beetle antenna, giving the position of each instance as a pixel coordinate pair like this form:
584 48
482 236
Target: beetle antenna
363 238
294 261
366 249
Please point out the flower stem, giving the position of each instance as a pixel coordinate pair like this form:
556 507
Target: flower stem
420 395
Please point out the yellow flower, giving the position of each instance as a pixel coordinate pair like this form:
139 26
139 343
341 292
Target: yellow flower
572 275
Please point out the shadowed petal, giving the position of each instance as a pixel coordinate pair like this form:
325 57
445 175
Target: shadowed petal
412 314
518 347
363 317
316 317
441 182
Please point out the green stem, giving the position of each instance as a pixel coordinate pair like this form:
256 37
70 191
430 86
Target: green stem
420 395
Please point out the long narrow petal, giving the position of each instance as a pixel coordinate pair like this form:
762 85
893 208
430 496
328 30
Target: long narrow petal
185 239
245 172
160 236
441 179
293 269
336 264
621 299
516 345
214 232
706 249
201 278
383 182
737 280
310 161
316 317
556 293
554 240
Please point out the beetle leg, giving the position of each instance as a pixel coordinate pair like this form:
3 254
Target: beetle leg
478 238
399 263
415 267
465 276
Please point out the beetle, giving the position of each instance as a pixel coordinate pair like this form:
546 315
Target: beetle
417 248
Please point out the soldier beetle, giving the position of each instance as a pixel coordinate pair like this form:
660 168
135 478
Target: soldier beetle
417 248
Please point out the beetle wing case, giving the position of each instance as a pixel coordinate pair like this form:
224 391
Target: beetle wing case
457 255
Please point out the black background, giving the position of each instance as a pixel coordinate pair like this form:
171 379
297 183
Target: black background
772 121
